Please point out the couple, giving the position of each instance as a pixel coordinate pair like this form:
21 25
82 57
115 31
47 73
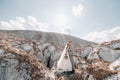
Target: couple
65 63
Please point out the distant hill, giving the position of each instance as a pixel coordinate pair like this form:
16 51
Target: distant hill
59 39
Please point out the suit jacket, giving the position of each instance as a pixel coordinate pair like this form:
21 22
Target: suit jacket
70 51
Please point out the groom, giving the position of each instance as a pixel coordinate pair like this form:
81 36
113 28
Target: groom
70 51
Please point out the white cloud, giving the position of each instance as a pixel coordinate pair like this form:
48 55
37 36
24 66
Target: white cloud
77 10
15 24
20 23
103 36
20 19
5 25
35 24
31 23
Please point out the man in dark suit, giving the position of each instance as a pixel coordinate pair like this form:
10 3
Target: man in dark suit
70 51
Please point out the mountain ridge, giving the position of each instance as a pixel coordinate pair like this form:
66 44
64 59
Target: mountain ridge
58 38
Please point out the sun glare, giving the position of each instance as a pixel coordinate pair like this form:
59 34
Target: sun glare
61 20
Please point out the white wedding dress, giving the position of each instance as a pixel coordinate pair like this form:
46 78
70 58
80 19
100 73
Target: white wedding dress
64 63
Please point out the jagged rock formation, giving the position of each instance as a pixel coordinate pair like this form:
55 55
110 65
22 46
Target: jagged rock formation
25 58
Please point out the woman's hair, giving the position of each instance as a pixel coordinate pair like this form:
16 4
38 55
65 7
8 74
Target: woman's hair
69 43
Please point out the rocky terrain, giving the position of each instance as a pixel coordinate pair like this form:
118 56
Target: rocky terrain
31 55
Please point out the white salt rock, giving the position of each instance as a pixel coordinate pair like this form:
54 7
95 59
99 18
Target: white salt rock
115 45
86 51
1 51
56 55
76 61
51 49
115 65
27 47
93 56
45 44
113 77
108 54
47 53
40 47
50 74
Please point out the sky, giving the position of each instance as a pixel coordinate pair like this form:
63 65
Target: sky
92 20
